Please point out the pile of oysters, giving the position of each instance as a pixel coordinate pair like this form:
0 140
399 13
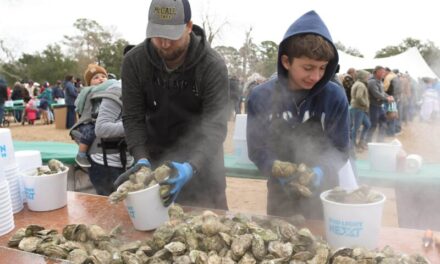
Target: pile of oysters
362 195
142 179
201 237
53 166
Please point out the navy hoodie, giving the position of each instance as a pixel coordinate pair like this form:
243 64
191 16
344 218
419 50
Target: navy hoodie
325 102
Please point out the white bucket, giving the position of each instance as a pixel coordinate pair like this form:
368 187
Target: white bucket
145 208
6 148
46 192
352 225
239 140
383 156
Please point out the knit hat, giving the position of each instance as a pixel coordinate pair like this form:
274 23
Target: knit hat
168 18
91 71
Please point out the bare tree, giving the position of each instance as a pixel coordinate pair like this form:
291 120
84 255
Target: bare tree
210 26
248 53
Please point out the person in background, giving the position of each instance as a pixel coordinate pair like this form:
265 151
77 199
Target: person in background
347 82
377 97
300 116
30 111
360 104
3 99
78 84
93 75
19 92
105 169
57 91
71 94
45 104
234 94
393 86
175 106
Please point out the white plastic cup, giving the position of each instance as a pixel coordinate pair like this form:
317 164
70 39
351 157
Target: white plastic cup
6 148
383 156
352 225
145 209
45 192
28 159
413 163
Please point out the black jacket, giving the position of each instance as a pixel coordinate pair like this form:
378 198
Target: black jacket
179 115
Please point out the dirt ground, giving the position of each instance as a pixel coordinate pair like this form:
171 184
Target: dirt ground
248 195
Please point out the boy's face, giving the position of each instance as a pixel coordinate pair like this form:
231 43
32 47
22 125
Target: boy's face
303 73
98 79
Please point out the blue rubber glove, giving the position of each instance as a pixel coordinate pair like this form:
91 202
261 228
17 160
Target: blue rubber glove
319 175
126 175
183 173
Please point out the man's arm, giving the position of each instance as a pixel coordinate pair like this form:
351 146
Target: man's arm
133 107
375 91
214 113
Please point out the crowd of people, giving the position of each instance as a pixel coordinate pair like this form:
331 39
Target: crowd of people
383 100
36 98
175 97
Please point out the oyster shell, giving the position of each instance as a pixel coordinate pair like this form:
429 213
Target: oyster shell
29 244
77 256
17 237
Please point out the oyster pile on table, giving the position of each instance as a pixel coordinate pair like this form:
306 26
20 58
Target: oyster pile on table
142 179
364 194
201 238
53 166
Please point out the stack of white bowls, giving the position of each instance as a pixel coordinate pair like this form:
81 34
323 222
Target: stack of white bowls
6 217
10 169
27 160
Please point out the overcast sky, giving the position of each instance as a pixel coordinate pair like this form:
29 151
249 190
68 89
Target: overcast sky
30 25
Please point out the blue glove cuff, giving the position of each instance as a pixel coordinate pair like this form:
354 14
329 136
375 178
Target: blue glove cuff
319 174
144 162
186 167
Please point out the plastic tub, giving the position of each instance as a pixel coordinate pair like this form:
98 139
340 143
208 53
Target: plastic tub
352 225
46 192
383 156
145 208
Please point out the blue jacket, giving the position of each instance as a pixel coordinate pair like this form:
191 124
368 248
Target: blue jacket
277 127
71 93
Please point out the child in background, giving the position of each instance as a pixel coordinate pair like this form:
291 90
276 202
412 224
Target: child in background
93 75
30 110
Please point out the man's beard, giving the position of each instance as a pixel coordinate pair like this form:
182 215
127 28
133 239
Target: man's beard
172 55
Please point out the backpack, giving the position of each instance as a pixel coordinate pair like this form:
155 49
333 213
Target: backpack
89 114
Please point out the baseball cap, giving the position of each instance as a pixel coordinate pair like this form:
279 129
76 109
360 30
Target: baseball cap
168 18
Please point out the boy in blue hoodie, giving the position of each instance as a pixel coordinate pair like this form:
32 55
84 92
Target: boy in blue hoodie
300 116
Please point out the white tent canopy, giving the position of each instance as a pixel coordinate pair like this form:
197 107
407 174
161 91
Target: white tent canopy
409 61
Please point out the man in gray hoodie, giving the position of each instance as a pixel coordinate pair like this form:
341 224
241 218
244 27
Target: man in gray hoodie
175 105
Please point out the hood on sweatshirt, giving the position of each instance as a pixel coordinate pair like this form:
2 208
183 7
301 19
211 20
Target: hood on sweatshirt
362 75
309 23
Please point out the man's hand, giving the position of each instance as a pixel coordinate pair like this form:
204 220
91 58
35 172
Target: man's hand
297 180
126 175
171 187
283 169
